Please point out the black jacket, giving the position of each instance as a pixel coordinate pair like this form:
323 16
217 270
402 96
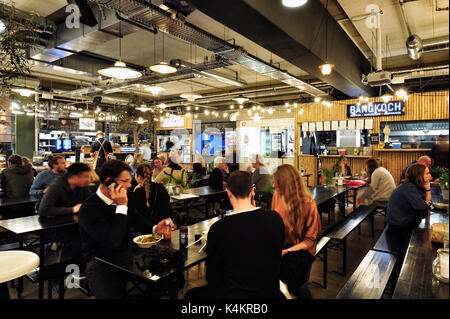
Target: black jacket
244 255
60 199
106 234
216 178
159 200
97 147
16 181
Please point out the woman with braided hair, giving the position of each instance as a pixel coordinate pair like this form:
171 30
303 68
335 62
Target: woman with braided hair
151 199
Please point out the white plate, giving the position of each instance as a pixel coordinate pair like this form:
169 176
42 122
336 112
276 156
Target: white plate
146 245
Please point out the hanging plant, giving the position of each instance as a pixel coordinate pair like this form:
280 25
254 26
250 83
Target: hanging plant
15 41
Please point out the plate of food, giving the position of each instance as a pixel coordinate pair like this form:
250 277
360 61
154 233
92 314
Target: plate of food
147 241
440 205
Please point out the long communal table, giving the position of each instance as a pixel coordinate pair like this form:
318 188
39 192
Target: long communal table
416 279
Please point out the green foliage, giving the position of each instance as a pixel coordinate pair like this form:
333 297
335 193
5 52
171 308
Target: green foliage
443 175
210 167
269 189
191 180
14 44
328 174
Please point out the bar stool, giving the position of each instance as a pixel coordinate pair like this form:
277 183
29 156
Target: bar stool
15 264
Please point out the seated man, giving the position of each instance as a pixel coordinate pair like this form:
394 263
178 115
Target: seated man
244 249
105 223
16 179
43 180
65 195
424 160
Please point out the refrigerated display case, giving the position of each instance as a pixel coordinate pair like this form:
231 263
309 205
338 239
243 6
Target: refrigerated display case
265 142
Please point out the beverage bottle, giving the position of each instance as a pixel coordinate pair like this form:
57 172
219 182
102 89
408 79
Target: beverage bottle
183 235
167 231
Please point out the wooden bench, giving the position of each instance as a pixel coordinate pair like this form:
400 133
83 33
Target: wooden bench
392 242
322 255
338 233
370 279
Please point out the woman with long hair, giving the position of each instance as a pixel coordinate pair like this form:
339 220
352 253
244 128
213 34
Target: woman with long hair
411 200
381 185
342 166
151 199
303 228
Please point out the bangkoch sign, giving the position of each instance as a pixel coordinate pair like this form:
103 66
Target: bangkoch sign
376 109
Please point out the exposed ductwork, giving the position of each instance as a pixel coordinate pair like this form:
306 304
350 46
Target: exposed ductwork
41 25
399 76
146 14
414 46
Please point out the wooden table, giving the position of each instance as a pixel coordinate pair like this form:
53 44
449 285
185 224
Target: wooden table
8 202
38 225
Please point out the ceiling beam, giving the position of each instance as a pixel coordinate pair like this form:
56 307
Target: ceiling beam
296 35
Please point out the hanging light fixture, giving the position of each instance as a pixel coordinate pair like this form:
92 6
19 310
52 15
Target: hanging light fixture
162 67
317 99
294 3
326 68
143 108
25 92
120 70
241 99
191 97
155 90
141 121
386 98
162 106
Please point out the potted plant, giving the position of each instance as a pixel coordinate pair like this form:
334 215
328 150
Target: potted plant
328 175
443 180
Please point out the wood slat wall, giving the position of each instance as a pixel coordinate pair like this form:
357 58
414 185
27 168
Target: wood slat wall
309 163
419 106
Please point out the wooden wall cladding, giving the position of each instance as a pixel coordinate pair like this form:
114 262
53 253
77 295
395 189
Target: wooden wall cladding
395 162
418 107
309 164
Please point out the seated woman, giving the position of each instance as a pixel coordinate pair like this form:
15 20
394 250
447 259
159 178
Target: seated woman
151 199
303 228
342 167
219 175
411 200
172 171
381 186
260 177
199 175
158 166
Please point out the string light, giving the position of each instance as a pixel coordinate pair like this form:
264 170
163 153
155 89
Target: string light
232 107
317 99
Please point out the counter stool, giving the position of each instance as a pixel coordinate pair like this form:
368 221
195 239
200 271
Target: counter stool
15 264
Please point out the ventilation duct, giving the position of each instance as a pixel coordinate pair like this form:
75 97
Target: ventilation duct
414 45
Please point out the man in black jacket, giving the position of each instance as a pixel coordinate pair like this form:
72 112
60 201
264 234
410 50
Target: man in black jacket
105 222
103 147
244 249
65 195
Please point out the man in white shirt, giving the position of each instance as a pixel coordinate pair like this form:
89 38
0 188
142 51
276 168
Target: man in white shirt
146 152
105 222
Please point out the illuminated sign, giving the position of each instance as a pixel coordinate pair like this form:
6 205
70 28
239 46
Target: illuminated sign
173 121
376 109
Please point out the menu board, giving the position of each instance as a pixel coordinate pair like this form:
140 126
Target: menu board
334 125
368 124
351 124
312 127
173 121
360 124
305 127
342 125
319 126
327 126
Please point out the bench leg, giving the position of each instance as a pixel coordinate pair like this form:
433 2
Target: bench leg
325 267
4 292
372 223
50 288
344 257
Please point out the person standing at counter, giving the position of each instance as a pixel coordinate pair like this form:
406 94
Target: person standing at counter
43 180
439 153
411 200
342 167
103 147
381 185
424 160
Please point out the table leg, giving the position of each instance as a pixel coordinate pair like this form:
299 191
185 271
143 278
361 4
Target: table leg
355 192
4 292
42 263
20 280
341 204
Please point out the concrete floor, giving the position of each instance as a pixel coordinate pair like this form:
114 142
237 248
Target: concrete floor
358 246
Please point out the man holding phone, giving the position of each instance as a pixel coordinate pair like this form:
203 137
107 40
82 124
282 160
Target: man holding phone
105 221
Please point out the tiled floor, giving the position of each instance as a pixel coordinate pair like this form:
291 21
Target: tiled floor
358 246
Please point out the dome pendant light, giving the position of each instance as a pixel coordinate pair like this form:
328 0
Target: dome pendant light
162 67
327 67
294 3
120 70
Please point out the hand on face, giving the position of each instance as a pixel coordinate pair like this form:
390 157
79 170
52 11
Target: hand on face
119 195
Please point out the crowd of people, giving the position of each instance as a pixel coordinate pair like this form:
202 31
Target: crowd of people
249 251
